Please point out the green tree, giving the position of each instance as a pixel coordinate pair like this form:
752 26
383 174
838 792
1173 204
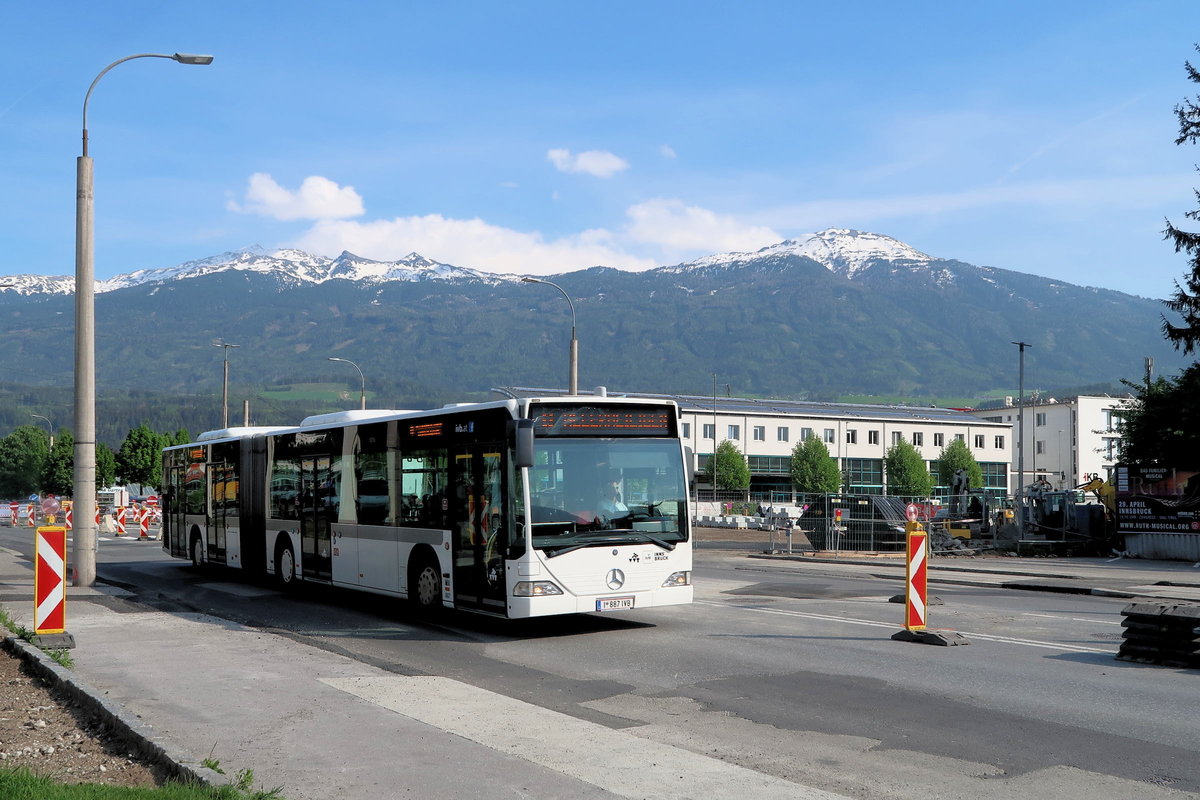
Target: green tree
1186 299
106 465
1162 424
731 470
907 475
138 459
956 456
23 455
58 475
814 471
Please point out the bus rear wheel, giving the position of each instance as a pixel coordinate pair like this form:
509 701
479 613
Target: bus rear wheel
197 551
285 566
425 585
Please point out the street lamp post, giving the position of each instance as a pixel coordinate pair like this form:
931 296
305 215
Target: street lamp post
84 474
573 375
1021 442
225 384
362 395
49 427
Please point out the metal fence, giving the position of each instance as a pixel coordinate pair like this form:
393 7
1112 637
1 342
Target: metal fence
865 522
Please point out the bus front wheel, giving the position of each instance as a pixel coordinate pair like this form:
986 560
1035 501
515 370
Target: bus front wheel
425 584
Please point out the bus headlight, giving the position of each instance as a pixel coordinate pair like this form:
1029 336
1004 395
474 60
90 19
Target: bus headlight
679 579
535 589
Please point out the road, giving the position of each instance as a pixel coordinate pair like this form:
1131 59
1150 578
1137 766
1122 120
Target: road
784 669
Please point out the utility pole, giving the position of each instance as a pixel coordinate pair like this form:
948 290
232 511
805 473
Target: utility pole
1021 441
225 384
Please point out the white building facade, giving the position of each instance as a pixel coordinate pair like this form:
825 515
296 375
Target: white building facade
1065 439
857 435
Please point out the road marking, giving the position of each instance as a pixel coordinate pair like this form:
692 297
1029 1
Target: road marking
896 626
615 761
1074 619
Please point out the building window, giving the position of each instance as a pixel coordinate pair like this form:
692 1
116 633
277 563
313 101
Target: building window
770 465
863 475
710 430
1039 419
1040 447
999 442
687 430
995 474
939 440
851 436
896 436
872 437
1111 449
1112 419
918 439
760 433
805 434
958 437
994 419
735 432
979 441
781 434
830 434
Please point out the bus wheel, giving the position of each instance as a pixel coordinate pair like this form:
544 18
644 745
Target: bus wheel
285 566
425 584
197 551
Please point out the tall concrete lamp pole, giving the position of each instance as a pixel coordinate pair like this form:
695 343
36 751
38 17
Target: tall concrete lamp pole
225 384
83 551
362 395
573 374
1021 442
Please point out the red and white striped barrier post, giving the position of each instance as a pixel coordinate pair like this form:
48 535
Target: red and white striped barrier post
29 516
121 521
50 588
14 509
916 593
144 524
67 518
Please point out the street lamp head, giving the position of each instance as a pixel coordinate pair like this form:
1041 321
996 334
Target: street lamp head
531 280
188 58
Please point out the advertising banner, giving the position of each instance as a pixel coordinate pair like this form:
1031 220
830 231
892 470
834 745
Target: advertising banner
1158 500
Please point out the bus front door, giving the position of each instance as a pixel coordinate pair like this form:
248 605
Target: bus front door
219 474
317 513
480 535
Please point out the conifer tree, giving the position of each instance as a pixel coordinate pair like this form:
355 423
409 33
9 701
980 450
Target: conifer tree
1185 301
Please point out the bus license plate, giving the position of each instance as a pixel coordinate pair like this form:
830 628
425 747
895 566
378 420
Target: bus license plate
614 604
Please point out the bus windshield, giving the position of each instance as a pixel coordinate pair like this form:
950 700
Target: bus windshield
596 492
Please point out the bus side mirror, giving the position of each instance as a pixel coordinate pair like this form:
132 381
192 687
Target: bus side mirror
524 442
689 464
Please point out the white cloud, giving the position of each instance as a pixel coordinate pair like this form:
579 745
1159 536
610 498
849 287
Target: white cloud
317 198
600 163
682 230
666 151
471 243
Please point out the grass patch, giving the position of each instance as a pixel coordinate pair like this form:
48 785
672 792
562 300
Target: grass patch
21 784
58 656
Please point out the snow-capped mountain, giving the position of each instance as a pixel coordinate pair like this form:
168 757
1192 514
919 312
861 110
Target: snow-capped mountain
842 251
290 267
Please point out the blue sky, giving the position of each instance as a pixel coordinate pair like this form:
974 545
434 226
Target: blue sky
540 137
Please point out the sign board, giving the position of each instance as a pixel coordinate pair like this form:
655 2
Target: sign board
1157 500
49 580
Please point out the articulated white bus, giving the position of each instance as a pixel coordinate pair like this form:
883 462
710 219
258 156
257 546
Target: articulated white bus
518 508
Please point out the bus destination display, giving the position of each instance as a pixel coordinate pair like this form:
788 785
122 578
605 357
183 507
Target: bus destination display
610 421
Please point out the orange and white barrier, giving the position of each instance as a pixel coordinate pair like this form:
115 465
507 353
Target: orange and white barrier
68 519
121 521
29 516
916 578
144 523
14 509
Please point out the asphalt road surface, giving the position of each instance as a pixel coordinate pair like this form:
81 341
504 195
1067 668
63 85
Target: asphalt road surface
785 669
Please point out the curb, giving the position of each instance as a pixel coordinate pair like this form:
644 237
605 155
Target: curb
139 736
